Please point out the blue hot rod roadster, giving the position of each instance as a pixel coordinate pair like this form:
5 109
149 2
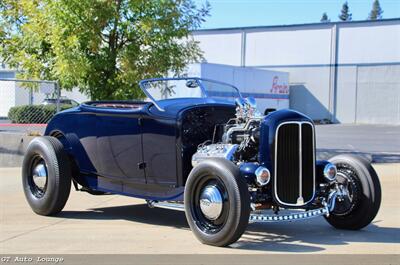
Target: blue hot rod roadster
199 147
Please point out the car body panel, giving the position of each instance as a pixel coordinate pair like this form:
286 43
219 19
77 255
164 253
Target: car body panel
131 152
143 149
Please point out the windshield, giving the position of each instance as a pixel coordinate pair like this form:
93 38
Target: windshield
173 88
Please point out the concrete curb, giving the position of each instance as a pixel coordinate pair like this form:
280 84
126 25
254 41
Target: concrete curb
12 148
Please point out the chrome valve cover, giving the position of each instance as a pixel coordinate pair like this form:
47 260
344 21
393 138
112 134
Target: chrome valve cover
214 151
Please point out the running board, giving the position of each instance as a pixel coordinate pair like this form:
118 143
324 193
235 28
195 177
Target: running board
166 205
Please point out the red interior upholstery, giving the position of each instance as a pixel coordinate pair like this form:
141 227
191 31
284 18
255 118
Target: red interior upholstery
120 105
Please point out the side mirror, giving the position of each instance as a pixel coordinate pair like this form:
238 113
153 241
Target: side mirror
192 84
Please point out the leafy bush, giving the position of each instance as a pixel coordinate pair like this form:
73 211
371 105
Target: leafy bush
33 113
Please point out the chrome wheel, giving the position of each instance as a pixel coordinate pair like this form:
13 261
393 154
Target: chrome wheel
359 193
211 202
217 202
38 177
348 191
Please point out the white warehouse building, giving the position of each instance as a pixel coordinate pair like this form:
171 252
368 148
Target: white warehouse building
346 72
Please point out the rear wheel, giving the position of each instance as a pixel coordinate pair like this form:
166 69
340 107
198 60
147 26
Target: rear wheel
217 202
46 175
359 196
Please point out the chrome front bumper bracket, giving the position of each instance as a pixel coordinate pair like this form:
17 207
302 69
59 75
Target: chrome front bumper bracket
265 218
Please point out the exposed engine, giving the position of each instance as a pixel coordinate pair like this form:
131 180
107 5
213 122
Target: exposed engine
238 138
238 141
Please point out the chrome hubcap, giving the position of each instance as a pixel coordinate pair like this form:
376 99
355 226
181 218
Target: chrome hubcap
211 202
39 175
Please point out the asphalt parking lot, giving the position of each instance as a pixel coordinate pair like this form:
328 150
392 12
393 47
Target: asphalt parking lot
379 143
111 224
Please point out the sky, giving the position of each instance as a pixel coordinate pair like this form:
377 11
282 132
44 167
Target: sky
243 13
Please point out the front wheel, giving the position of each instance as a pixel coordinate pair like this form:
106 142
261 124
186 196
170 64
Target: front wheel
360 193
217 202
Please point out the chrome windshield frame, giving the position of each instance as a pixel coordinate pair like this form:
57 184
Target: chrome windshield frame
198 80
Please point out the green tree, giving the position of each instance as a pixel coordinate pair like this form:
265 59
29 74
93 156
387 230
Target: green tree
101 46
345 14
376 12
325 18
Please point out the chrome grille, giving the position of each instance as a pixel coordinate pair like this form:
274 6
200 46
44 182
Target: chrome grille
294 178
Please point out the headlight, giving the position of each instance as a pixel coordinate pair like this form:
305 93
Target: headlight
330 172
263 176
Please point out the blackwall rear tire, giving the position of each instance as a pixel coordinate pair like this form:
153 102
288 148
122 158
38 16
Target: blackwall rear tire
365 192
46 175
212 223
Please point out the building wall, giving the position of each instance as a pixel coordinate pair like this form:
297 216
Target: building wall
378 94
310 90
222 48
344 72
7 93
368 83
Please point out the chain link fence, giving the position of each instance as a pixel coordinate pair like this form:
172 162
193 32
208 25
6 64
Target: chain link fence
27 105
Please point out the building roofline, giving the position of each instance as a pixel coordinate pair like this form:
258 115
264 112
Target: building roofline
300 25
